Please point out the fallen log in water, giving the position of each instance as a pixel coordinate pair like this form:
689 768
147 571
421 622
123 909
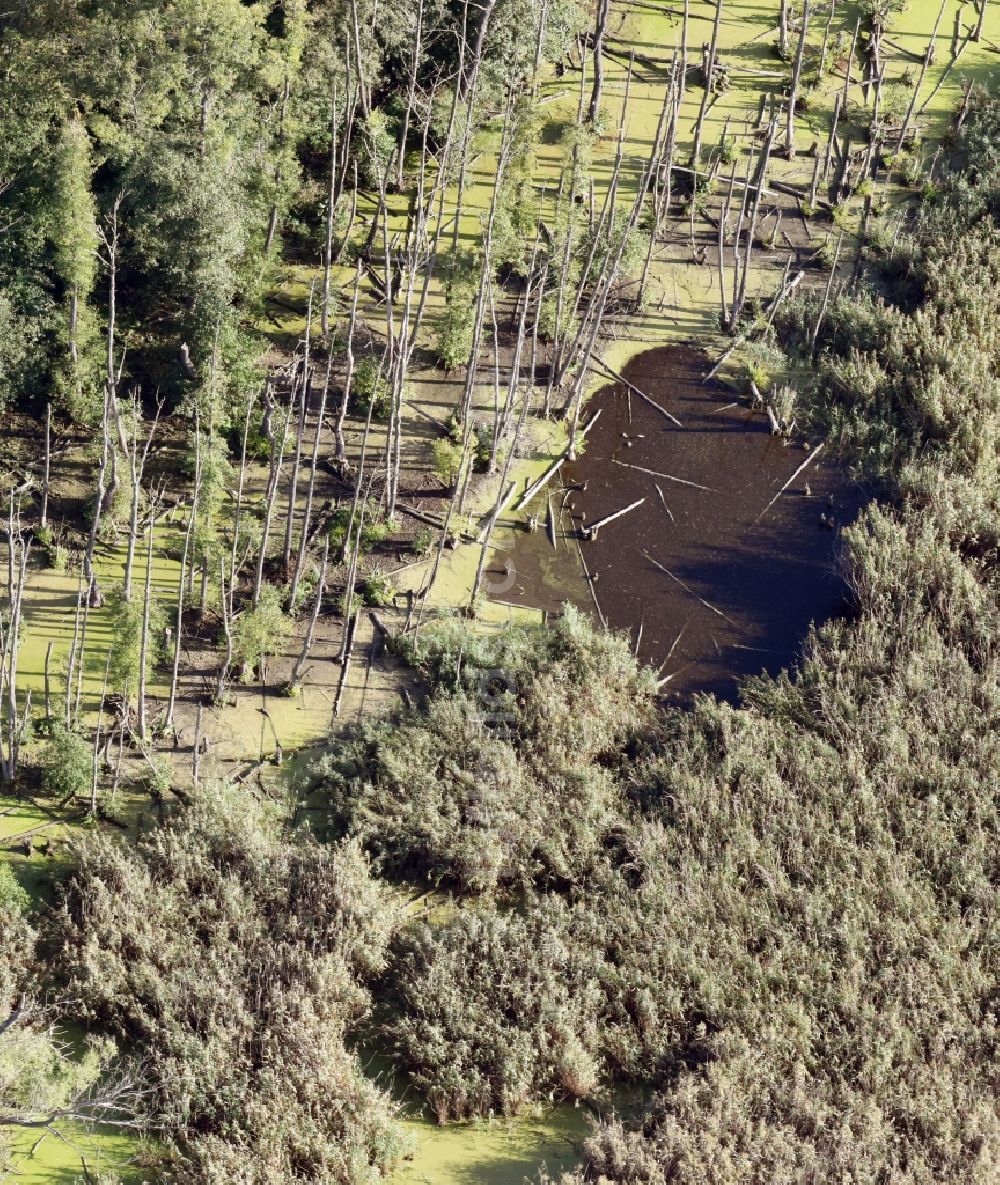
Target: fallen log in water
666 476
687 588
590 583
808 461
496 512
540 484
590 529
642 394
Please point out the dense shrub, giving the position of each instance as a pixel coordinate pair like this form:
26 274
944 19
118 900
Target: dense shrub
235 959
500 782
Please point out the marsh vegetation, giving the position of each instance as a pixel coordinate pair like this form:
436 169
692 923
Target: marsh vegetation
301 307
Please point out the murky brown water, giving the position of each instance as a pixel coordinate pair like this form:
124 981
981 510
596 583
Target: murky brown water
737 587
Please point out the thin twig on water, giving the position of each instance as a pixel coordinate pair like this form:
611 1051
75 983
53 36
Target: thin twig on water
664 501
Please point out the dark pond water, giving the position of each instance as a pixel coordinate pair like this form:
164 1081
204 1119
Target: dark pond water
720 585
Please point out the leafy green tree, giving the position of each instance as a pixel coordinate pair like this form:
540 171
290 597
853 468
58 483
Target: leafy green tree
68 765
125 619
259 632
75 238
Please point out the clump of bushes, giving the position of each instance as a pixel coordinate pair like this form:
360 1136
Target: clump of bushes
237 959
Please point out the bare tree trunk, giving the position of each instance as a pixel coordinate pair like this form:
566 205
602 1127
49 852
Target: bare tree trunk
783 30
603 10
470 95
227 633
272 221
144 644
48 696
71 661
978 34
414 68
234 568
137 465
300 663
270 496
311 489
300 427
196 755
826 295
362 89
761 181
847 69
81 664
10 643
831 139
179 630
706 97
793 95
48 457
331 210
826 41
684 51
723 222
928 56
349 378
95 760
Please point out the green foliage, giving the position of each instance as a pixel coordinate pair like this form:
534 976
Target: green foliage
371 389
13 899
237 958
374 527
456 323
17 339
125 621
423 541
259 632
377 590
500 783
447 460
455 1000
68 765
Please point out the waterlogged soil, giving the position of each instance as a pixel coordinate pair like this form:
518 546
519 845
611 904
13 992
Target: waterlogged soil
721 569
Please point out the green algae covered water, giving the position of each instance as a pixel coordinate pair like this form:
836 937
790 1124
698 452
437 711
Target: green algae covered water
497 1152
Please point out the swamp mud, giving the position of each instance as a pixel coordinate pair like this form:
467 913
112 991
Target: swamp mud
718 568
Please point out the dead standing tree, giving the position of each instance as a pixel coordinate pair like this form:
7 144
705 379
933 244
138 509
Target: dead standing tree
13 721
793 92
600 29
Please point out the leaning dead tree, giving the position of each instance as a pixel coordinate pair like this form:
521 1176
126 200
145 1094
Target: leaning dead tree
14 720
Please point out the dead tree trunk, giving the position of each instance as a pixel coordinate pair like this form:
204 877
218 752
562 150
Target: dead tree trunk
296 676
706 97
144 643
603 10
331 212
349 377
44 516
793 94
179 630
311 488
928 57
300 427
277 459
411 93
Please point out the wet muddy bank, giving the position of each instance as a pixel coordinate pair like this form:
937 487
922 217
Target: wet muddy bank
719 568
